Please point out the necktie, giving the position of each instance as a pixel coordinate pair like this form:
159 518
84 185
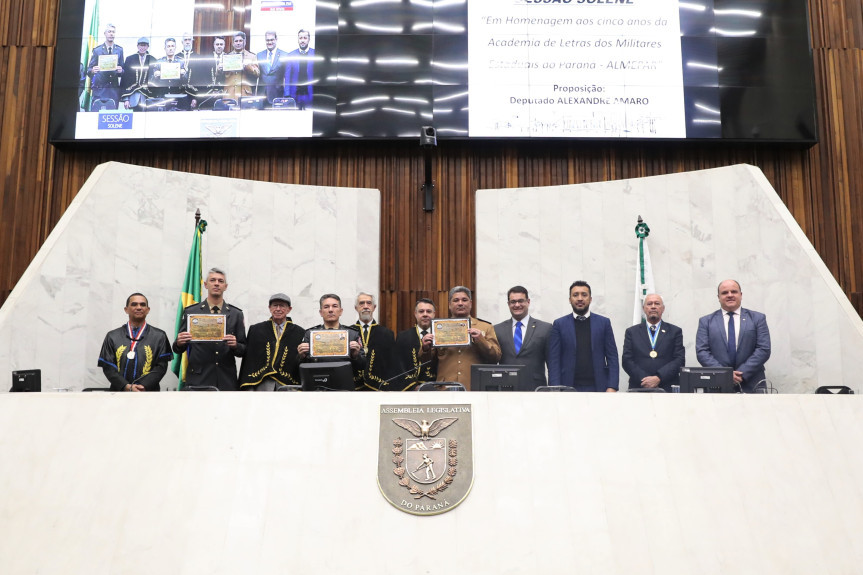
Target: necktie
516 340
269 59
653 330
215 309
580 318
424 333
109 50
366 332
732 340
279 329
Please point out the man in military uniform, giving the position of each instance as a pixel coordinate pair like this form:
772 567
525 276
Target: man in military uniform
213 363
454 362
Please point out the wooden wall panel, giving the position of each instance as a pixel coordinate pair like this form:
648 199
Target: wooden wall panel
424 254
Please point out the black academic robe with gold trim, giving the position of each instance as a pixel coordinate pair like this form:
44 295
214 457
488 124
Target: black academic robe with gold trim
269 356
147 367
379 356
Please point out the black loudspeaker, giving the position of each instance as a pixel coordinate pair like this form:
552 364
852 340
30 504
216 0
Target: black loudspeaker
27 380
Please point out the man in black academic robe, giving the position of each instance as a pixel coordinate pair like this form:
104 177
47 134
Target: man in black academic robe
136 77
135 356
409 347
271 359
378 345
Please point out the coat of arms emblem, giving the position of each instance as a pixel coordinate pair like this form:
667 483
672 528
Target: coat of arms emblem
425 457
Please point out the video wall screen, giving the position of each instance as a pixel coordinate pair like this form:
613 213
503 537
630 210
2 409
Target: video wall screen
382 69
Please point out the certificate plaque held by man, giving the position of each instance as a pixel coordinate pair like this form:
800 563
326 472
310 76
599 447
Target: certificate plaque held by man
170 70
451 332
329 343
207 327
232 62
108 62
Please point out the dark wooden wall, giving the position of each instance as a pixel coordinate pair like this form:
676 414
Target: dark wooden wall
424 254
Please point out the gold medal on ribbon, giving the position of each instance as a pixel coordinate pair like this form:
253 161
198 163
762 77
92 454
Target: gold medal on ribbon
653 353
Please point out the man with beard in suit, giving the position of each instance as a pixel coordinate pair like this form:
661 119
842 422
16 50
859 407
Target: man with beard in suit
653 350
299 72
581 350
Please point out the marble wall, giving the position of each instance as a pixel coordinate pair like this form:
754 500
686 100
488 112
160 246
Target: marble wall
130 229
706 226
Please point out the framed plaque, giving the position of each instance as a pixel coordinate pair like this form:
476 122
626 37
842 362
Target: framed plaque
451 332
207 326
108 62
232 62
170 70
329 343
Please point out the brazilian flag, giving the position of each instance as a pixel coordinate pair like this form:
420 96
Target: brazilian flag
92 41
191 294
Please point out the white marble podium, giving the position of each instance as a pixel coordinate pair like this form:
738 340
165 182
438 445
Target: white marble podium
227 483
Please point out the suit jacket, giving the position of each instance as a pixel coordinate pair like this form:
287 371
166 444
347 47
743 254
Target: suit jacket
533 348
213 362
292 75
753 345
272 81
561 352
671 355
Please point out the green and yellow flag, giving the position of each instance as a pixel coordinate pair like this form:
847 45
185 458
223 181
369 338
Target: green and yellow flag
191 294
92 41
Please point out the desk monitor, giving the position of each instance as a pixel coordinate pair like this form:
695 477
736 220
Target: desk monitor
707 380
327 376
27 380
499 378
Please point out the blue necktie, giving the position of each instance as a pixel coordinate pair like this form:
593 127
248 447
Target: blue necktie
732 340
516 340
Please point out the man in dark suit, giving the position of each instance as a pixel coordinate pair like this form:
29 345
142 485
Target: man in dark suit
523 339
409 350
378 344
734 337
272 63
213 363
653 351
106 83
581 348
299 72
